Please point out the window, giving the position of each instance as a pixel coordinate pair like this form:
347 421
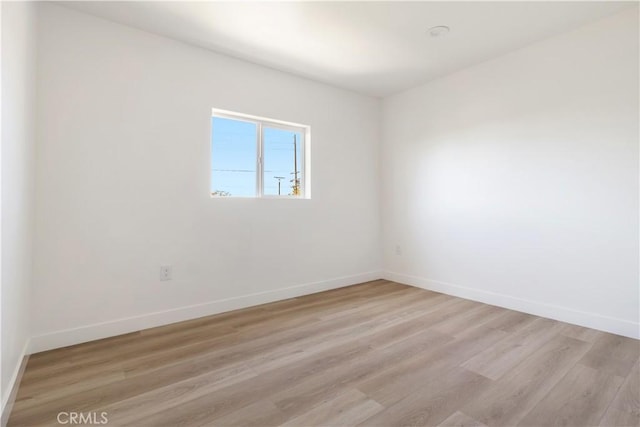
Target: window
255 157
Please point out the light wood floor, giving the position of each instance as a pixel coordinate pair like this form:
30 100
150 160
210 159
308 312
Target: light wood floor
375 354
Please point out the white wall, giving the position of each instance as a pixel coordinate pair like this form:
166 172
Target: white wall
123 184
18 142
515 182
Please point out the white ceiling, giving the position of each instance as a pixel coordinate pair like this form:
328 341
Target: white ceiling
375 48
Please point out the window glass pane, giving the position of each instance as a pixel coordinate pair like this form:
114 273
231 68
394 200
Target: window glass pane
280 164
233 157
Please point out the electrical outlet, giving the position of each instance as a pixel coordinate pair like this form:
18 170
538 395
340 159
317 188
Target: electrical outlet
165 272
398 250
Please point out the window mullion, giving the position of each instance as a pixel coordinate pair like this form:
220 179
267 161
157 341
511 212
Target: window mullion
259 177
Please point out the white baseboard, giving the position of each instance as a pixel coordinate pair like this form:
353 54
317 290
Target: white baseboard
14 383
97 331
563 314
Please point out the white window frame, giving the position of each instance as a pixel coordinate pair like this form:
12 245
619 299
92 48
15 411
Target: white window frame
262 122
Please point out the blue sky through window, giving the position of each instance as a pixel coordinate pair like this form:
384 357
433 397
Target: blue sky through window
233 157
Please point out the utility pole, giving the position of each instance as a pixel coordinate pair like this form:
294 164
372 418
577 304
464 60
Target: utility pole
296 181
279 178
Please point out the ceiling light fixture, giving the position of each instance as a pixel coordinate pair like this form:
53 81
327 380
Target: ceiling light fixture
438 31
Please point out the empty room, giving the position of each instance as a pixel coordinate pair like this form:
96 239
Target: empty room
320 213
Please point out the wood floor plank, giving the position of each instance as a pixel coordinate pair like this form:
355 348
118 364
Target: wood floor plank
580 333
346 409
477 315
510 321
579 399
437 400
459 419
61 355
377 353
395 329
495 361
103 395
298 398
52 389
409 376
94 362
624 410
205 409
262 413
146 404
509 399
613 354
